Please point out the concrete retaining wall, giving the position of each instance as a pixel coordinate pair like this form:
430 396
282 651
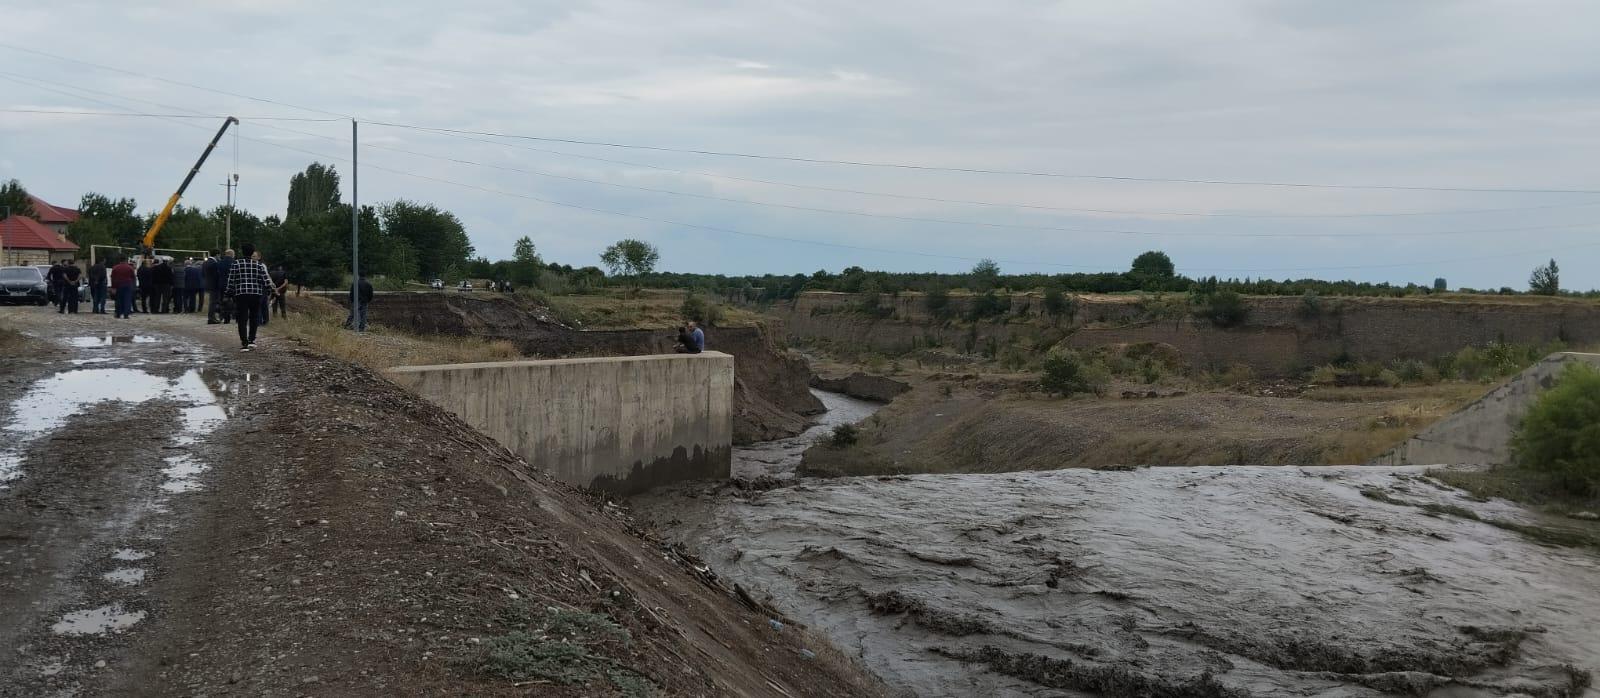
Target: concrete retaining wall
616 424
1480 433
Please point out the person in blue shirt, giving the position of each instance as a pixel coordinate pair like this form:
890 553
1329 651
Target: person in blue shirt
697 338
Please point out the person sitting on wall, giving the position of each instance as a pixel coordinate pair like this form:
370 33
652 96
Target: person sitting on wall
697 339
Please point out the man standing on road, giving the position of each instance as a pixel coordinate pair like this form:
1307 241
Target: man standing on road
71 276
194 281
53 281
280 291
249 285
221 304
358 320
146 286
122 281
180 287
161 279
97 288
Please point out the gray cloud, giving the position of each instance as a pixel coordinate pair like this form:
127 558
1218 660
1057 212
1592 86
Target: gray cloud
1469 93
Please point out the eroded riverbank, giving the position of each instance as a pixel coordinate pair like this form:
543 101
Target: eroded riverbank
1174 581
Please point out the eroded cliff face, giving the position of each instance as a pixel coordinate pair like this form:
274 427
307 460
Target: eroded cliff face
771 397
1280 335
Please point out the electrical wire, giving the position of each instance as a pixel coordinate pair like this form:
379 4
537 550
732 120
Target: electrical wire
826 161
819 243
159 116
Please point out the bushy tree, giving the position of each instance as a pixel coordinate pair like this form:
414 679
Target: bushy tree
1546 280
631 257
1560 434
1224 309
1152 271
525 262
985 275
437 239
1440 284
1067 372
15 197
1057 304
937 301
313 191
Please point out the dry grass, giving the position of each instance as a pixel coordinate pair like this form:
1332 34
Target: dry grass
626 309
317 322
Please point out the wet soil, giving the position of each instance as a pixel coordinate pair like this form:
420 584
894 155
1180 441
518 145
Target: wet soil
1231 581
177 518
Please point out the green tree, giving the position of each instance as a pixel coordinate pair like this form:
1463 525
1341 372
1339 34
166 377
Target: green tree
1057 304
104 221
985 275
937 300
631 258
1152 271
1546 280
436 237
314 191
1224 309
14 197
1440 285
525 262
1559 436
1067 372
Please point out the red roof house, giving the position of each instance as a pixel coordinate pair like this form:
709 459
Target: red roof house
26 241
53 217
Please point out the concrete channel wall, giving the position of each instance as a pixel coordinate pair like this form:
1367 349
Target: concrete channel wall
1480 433
615 424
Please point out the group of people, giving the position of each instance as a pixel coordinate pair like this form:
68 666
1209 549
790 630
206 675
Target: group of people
691 339
65 278
238 288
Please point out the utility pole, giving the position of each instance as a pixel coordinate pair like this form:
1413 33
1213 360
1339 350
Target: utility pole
355 238
231 184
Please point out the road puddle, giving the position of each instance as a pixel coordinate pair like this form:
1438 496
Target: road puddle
183 472
109 339
125 576
52 403
97 621
129 555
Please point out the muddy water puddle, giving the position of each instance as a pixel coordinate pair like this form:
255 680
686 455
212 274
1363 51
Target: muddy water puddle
97 621
780 458
125 576
108 339
49 404
1174 581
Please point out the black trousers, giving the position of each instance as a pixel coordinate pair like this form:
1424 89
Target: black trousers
247 310
162 295
69 299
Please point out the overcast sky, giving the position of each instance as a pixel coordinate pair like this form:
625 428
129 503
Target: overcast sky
1459 93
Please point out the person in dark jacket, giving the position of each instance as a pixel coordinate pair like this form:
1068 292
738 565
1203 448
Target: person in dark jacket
180 286
123 281
146 287
71 276
221 304
280 291
194 285
97 288
358 320
52 281
161 278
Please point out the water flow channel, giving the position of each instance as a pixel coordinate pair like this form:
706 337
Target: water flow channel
1232 581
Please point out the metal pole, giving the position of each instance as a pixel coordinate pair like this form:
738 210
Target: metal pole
355 237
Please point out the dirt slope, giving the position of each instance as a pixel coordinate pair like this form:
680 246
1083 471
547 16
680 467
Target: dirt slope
771 399
349 539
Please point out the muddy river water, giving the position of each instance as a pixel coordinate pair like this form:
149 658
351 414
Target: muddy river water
1228 581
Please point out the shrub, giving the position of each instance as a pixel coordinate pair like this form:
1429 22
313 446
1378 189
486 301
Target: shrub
938 302
1560 434
845 435
1068 372
988 305
699 309
1224 309
1310 306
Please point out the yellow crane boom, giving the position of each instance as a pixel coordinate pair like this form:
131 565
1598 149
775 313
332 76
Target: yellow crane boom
166 211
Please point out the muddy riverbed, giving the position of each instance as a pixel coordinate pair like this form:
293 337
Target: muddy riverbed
1228 581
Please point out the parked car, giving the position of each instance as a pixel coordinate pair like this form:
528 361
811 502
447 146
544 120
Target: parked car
465 285
438 284
23 285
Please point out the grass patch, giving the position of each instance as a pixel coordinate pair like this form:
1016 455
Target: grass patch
318 322
567 648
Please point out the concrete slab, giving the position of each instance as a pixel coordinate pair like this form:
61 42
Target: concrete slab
615 424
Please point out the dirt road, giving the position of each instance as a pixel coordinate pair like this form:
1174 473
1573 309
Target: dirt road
177 518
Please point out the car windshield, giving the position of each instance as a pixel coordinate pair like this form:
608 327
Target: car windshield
16 274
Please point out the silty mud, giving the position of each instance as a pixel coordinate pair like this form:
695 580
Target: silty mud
1169 581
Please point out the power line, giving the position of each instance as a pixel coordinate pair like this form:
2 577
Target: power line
733 231
65 112
826 161
1036 207
865 214
976 170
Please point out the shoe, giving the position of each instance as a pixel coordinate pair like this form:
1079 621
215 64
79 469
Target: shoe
245 349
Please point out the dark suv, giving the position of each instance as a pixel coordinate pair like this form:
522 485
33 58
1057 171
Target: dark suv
23 285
